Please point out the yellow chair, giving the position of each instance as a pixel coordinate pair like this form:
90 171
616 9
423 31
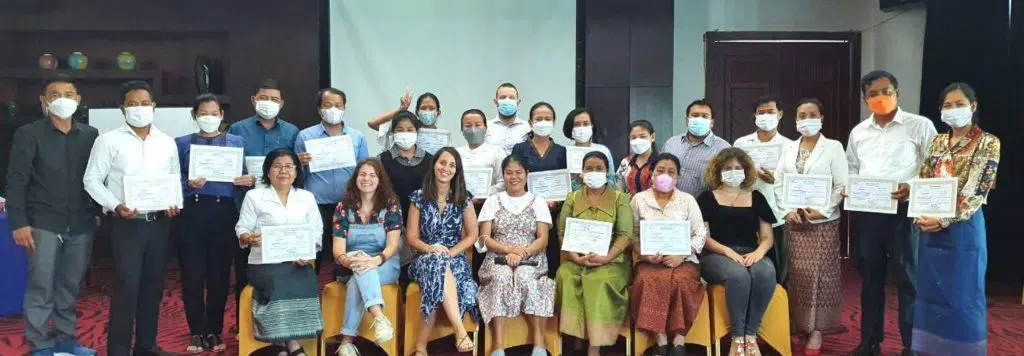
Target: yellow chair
774 326
247 344
332 304
699 334
517 332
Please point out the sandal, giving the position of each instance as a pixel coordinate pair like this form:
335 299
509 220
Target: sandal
738 347
214 343
196 345
659 350
751 346
297 352
465 344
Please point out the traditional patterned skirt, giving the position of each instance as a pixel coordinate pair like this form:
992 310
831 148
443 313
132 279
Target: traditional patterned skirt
592 301
814 276
950 312
666 299
285 302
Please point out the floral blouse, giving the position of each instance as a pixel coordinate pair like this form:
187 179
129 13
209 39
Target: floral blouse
392 219
973 160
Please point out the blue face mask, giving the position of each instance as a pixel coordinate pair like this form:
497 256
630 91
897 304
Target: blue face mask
507 107
428 117
698 126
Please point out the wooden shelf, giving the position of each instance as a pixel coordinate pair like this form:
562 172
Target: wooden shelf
155 76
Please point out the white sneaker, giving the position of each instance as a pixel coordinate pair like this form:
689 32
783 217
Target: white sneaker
348 350
382 330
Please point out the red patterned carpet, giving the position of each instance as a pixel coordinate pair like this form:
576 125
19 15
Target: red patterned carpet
1006 322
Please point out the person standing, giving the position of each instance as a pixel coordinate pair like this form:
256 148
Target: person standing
634 173
327 186
695 147
207 242
428 110
261 133
891 143
477 153
52 217
507 129
766 117
139 238
950 312
579 125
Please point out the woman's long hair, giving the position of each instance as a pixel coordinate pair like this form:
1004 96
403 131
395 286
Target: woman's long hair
385 193
457 187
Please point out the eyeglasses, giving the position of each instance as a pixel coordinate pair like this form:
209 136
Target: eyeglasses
282 167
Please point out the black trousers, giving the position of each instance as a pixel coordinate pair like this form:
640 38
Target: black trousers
883 241
327 253
207 247
140 260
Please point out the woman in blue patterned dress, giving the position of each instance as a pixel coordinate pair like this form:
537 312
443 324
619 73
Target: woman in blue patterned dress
437 215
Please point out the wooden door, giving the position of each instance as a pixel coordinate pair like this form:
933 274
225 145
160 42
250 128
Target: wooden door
744 66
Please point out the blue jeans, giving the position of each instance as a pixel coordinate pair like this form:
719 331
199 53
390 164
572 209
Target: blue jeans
363 291
748 290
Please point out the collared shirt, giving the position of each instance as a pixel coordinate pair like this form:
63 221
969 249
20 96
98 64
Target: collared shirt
122 153
44 182
259 141
415 160
262 207
895 151
768 190
216 189
327 186
505 135
485 156
613 207
694 158
681 207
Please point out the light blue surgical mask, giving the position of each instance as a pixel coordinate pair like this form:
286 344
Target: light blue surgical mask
507 107
698 126
428 117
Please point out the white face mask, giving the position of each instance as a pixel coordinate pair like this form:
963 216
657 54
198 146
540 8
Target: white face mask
267 109
62 108
957 117
139 116
639 146
582 134
808 127
767 122
208 123
405 140
332 116
595 180
733 178
543 128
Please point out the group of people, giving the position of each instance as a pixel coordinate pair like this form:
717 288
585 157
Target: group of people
406 216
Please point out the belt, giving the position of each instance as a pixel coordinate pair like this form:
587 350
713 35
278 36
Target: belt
148 217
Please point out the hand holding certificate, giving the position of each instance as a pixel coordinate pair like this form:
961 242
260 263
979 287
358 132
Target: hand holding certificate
287 243
872 195
587 236
478 181
933 197
152 193
331 153
215 163
550 185
765 155
665 237
574 157
432 140
806 191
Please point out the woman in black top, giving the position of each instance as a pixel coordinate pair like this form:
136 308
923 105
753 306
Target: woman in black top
405 165
740 233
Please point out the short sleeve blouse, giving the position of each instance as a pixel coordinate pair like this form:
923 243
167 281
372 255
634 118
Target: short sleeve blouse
392 219
735 226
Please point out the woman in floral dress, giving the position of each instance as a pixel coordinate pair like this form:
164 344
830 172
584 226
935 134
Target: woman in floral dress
517 283
437 216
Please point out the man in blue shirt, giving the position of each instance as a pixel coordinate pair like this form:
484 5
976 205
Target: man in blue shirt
327 186
261 133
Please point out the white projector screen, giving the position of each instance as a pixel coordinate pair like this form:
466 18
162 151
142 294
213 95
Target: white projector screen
459 50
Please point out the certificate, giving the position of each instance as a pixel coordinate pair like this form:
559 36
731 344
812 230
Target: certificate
550 185
667 237
932 197
287 243
765 155
432 140
478 181
152 193
806 191
254 165
871 195
586 236
215 163
574 158
331 153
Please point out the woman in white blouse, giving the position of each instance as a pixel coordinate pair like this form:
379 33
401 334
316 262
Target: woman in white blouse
811 234
286 305
477 153
579 125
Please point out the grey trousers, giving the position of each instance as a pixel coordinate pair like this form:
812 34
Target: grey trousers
55 271
748 290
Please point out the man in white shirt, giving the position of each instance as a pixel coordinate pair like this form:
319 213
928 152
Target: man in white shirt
139 238
891 143
507 129
767 113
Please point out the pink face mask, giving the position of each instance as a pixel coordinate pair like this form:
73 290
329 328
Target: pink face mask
663 183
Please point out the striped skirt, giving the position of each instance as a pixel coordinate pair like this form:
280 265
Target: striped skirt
285 302
814 276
